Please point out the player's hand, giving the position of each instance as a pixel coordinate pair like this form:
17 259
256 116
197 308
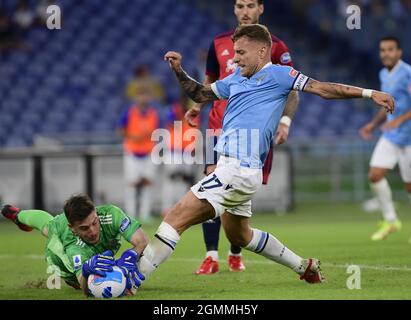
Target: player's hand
384 100
282 133
390 125
191 114
128 264
366 131
99 264
174 59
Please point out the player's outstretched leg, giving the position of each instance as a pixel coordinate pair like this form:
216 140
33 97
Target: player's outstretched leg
187 212
238 230
10 212
211 232
26 220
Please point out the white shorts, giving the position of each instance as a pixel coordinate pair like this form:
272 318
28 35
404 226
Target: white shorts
136 168
230 187
386 155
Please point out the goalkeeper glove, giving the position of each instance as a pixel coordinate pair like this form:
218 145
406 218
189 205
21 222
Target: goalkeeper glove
99 264
128 264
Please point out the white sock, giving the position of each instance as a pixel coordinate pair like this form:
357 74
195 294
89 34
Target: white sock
159 249
213 254
234 254
268 246
383 193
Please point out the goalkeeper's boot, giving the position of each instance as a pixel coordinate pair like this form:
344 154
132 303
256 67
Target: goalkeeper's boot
235 263
312 271
209 266
11 213
385 228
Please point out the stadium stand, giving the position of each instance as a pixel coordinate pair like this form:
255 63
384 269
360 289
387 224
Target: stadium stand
72 80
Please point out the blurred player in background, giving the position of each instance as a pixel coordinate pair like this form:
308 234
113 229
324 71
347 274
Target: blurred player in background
136 125
84 239
394 146
179 176
220 64
257 93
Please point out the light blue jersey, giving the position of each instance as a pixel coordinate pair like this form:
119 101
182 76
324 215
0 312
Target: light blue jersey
397 82
255 106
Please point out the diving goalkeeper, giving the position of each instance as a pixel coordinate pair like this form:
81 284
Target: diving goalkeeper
84 240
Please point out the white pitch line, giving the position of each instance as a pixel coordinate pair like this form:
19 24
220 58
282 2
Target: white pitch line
248 261
327 265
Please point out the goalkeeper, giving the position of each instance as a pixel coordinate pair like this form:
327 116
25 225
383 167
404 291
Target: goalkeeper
84 239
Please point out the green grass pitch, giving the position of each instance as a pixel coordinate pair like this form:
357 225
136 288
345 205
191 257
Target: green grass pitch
337 234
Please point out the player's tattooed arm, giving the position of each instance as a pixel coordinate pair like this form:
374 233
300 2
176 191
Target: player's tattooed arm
328 90
196 91
291 105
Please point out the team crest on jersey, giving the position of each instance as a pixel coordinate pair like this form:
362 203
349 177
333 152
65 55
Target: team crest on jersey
225 53
77 261
231 66
293 73
285 58
125 224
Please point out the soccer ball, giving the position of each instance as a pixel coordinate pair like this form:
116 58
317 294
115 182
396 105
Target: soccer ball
113 285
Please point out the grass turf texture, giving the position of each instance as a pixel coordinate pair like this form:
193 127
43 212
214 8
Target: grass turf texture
337 234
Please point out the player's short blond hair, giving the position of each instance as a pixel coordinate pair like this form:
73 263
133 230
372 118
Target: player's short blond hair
255 32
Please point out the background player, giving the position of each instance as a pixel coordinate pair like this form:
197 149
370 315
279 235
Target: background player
257 91
220 64
83 240
395 144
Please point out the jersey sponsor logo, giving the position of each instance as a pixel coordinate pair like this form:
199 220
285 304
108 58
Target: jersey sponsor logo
300 82
231 66
285 58
125 224
77 261
225 53
293 73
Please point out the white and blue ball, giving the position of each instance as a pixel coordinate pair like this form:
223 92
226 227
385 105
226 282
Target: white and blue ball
113 285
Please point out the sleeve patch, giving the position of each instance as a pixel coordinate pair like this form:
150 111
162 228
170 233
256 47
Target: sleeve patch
285 58
77 261
293 73
125 224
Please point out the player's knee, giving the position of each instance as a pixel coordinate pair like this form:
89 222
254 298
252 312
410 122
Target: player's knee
375 176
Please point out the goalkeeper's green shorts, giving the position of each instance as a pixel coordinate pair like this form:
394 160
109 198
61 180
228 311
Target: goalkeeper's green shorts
55 256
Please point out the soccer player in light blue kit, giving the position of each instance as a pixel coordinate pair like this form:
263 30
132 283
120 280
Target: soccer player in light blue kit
394 146
257 92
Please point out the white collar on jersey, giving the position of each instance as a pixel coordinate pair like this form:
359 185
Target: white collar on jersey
395 67
267 65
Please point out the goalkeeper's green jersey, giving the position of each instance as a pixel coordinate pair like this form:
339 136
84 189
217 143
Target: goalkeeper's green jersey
68 252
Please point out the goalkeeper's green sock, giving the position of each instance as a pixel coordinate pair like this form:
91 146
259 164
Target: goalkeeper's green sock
37 219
